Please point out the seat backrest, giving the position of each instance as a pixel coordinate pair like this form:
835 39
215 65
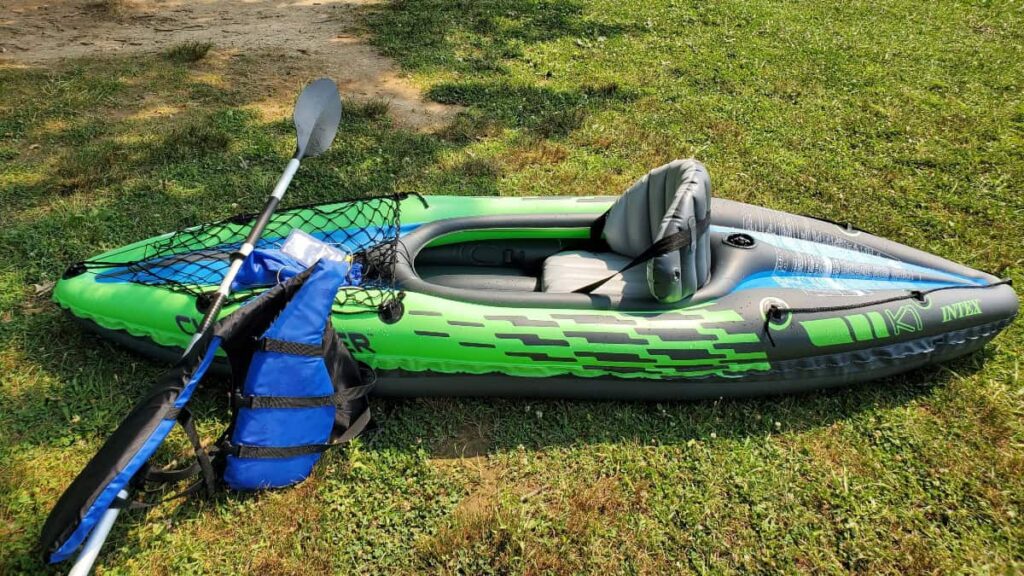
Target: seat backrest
674 197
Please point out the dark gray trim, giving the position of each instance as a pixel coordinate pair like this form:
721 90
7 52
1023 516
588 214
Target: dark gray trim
615 357
523 321
605 337
595 319
431 333
540 357
531 339
477 345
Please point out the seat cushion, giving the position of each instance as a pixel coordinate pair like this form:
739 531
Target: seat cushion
568 271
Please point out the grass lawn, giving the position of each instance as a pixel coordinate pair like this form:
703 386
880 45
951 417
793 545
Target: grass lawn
905 118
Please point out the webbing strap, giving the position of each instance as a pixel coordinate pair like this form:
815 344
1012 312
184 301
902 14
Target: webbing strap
203 467
202 457
338 397
597 229
272 452
171 476
663 246
293 348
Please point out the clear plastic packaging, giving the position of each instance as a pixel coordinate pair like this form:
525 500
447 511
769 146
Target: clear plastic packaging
307 249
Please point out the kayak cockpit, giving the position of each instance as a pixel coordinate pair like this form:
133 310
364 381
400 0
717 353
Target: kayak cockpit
650 248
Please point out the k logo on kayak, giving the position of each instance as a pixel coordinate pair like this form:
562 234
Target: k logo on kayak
904 319
843 330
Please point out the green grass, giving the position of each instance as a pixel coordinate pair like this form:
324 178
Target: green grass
905 119
188 52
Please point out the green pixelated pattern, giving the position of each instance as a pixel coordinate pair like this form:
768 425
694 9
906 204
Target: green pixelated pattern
442 336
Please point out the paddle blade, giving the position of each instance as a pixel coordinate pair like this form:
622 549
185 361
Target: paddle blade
317 114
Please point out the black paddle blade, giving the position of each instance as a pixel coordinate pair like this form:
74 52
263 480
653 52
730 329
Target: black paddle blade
317 114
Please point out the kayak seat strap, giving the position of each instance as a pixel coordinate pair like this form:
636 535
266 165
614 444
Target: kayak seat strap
671 243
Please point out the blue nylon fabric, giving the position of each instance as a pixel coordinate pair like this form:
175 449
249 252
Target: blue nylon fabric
266 268
303 320
303 376
282 427
261 474
106 497
305 317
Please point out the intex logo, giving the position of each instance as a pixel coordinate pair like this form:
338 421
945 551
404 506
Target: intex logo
958 310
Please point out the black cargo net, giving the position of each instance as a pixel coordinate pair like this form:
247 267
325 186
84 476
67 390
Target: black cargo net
193 261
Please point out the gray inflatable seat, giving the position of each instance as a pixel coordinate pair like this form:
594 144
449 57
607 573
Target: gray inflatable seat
666 204
566 271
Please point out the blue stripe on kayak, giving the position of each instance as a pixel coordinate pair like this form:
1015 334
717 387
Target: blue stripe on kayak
906 276
835 283
210 270
828 251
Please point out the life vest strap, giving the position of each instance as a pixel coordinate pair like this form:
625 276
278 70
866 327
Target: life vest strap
293 348
345 395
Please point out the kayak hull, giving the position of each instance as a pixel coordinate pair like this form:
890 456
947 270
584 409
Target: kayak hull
402 383
902 310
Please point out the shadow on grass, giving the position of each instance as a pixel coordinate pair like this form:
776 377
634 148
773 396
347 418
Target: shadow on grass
418 34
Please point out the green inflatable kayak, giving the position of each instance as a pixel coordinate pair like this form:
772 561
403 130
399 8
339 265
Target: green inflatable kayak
661 293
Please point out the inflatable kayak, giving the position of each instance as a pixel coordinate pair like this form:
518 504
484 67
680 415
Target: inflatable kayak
660 293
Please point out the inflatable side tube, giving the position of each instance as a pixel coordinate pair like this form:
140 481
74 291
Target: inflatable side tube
95 489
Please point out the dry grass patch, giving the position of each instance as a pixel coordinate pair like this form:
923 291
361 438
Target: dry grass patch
369 108
468 128
535 153
115 9
188 52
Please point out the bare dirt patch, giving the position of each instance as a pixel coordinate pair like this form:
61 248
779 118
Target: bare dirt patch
323 36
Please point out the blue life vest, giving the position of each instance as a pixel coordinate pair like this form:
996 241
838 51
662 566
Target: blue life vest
302 392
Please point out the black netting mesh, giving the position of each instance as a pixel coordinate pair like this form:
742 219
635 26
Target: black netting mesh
194 260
